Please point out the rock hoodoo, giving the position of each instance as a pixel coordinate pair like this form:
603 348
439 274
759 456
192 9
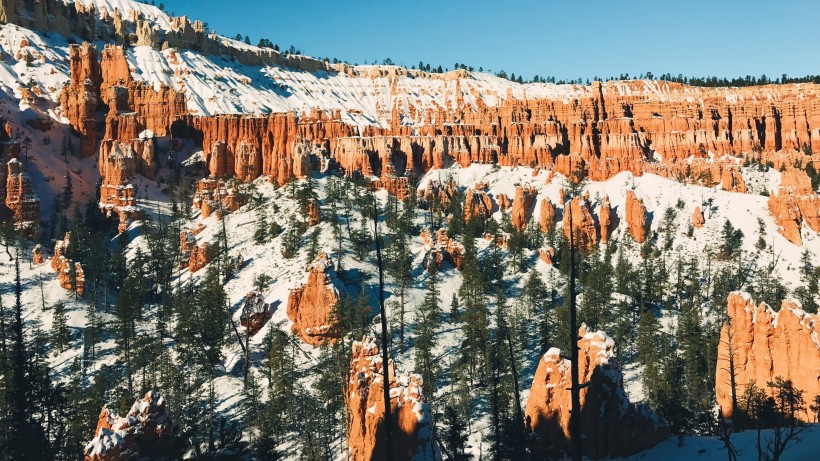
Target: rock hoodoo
310 306
477 203
697 218
442 248
410 413
635 214
522 206
547 218
143 431
583 225
612 425
20 199
765 345
605 219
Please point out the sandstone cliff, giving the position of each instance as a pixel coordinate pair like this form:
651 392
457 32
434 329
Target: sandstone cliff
611 425
762 345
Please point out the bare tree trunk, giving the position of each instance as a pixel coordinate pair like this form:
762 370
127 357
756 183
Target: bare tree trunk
575 390
388 430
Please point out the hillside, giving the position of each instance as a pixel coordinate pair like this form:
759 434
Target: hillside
193 219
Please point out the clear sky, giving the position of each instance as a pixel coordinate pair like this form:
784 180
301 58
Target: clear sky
566 39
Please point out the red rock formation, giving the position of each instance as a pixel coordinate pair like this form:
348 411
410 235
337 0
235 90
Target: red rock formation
310 306
410 413
697 218
635 216
70 275
216 196
442 248
522 205
612 426
547 255
605 219
20 199
37 254
765 345
504 202
79 99
144 431
60 248
478 204
192 256
312 213
793 204
255 313
583 225
547 215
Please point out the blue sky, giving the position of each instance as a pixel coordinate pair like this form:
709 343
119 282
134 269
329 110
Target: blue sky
566 39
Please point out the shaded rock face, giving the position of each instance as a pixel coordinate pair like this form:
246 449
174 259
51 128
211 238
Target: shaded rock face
583 225
522 206
410 413
612 426
635 214
605 219
310 306
547 218
765 345
145 430
794 204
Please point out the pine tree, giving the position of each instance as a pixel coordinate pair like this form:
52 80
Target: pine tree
473 298
60 335
428 319
260 234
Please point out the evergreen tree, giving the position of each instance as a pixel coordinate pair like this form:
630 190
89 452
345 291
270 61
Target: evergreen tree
428 319
60 335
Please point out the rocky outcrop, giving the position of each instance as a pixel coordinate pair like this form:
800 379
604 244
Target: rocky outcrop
583 228
697 218
760 345
477 204
442 248
214 195
37 256
547 255
605 219
144 431
312 212
79 99
793 204
194 256
70 275
547 218
522 206
611 425
410 414
255 313
635 216
20 199
60 248
311 306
